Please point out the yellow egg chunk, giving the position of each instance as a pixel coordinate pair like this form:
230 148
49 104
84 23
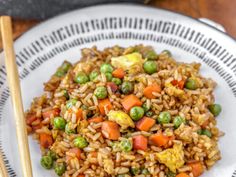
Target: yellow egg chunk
173 158
173 91
132 63
121 118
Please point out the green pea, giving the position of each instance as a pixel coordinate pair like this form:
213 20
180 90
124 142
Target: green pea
81 78
127 87
145 171
178 120
136 113
52 154
191 84
117 81
66 94
167 52
164 117
151 55
215 109
106 68
69 130
146 108
60 72
66 66
206 132
60 168
150 67
93 75
149 114
108 76
71 103
46 162
100 92
170 174
126 145
80 142
134 171
59 123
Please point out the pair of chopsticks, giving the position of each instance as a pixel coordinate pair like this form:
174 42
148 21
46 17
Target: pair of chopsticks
14 86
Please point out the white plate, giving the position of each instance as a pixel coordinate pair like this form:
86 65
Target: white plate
42 49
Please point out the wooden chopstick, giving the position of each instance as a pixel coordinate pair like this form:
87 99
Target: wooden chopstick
3 170
14 86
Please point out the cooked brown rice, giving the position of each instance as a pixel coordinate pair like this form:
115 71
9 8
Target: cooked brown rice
194 141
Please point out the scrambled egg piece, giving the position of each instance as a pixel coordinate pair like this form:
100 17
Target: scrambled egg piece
173 158
121 118
133 62
172 90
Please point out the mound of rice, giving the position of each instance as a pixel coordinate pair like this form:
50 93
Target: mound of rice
116 143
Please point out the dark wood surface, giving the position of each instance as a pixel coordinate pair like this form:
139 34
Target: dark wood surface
220 11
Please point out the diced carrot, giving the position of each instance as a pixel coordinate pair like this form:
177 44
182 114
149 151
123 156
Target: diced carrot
45 140
159 139
81 176
104 104
75 151
197 168
119 73
181 84
110 130
130 101
113 86
30 118
54 112
79 114
145 124
95 120
182 175
140 142
148 91
174 82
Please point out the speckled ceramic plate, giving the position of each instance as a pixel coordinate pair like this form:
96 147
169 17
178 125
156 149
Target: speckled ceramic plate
42 49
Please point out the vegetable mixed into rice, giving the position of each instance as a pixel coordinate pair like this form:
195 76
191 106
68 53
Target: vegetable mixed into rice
125 112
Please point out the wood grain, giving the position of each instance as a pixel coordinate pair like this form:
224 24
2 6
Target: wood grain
19 27
15 91
220 11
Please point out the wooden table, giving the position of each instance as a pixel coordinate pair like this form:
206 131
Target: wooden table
220 11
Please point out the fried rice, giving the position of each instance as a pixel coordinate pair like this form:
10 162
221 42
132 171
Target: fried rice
84 131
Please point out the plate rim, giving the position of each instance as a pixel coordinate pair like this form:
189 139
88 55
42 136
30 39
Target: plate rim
124 4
